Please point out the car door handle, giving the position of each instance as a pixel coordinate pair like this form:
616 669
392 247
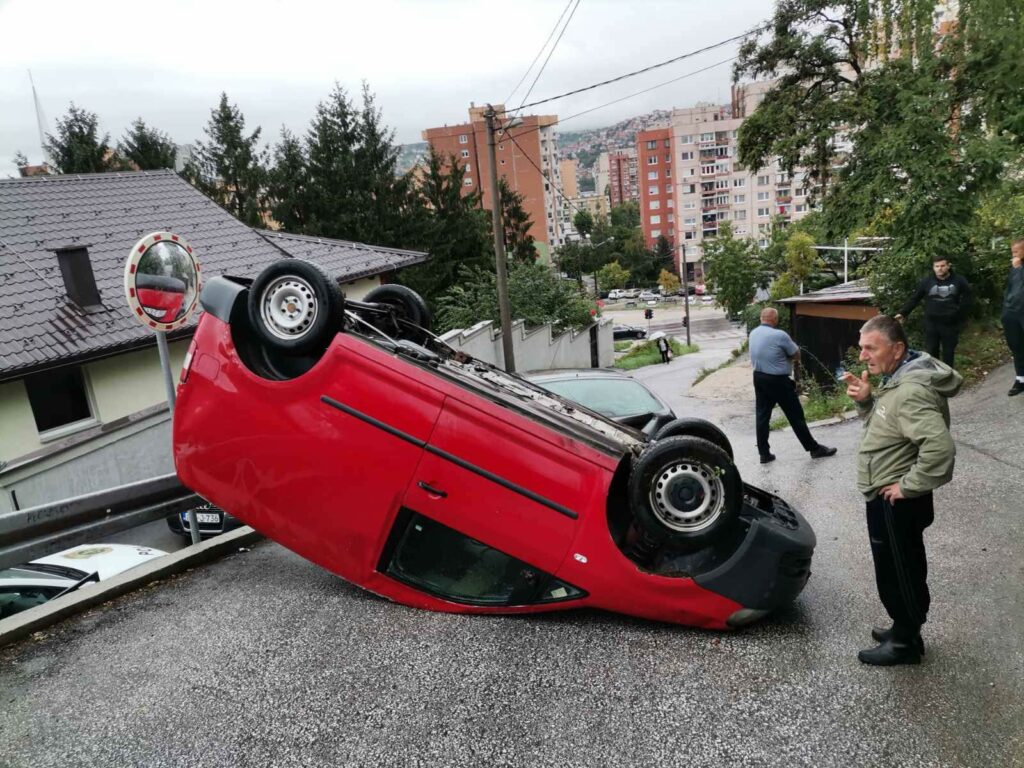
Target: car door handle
432 491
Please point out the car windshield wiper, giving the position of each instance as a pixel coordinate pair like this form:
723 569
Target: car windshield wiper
94 576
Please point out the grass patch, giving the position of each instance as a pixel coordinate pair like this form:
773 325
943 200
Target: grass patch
622 346
820 405
982 348
703 373
646 353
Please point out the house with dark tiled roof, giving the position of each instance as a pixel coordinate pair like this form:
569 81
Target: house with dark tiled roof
75 366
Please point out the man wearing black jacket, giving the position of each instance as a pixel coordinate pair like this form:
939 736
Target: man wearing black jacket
947 298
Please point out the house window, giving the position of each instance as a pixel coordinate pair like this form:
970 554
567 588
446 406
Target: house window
652 175
654 205
652 160
739 182
686 156
463 139
653 190
736 199
762 213
739 215
763 181
59 399
652 144
762 195
655 219
465 153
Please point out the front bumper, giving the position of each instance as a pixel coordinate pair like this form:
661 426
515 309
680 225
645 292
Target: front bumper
772 564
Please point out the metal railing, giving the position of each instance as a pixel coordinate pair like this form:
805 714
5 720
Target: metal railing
27 534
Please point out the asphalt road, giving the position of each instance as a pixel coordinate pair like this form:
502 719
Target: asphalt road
264 659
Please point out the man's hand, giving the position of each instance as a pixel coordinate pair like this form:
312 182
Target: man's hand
892 493
857 389
898 318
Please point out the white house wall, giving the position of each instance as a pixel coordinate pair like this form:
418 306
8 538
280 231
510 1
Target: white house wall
128 383
18 433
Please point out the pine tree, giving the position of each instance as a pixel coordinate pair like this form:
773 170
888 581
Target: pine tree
77 146
148 148
288 185
516 221
229 166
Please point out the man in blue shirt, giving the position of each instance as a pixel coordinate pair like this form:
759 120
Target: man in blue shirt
772 353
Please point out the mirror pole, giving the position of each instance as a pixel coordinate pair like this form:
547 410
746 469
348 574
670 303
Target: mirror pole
165 364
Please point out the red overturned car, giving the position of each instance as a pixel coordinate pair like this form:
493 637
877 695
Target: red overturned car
347 432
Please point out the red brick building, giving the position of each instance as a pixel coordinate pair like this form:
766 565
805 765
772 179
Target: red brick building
654 177
622 177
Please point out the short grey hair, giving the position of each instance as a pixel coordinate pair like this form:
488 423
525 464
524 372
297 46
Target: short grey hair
889 327
769 312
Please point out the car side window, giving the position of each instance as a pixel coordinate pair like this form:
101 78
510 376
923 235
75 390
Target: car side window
437 559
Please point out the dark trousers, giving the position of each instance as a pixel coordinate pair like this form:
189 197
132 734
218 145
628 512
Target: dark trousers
896 532
771 390
939 334
1013 327
664 355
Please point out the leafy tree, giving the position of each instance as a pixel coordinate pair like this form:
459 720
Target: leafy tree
229 166
669 282
625 216
516 222
147 148
571 260
536 294
77 147
732 270
583 221
611 275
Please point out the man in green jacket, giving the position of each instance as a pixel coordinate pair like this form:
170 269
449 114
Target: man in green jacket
906 452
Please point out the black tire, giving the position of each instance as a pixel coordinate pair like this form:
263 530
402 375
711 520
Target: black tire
295 307
696 428
685 491
408 306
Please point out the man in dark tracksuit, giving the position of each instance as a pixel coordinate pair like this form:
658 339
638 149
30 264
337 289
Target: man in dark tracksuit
905 453
1013 315
947 297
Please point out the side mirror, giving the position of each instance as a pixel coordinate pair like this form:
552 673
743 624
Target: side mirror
161 281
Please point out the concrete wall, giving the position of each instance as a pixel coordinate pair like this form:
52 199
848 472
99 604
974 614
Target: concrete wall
536 350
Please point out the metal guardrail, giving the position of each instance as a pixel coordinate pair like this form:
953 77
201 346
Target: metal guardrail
27 534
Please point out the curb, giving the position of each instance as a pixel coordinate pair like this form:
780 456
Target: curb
840 419
34 619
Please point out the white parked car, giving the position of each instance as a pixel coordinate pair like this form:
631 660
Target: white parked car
614 294
650 296
31 584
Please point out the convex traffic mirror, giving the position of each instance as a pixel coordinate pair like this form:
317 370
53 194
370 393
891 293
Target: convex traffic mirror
161 281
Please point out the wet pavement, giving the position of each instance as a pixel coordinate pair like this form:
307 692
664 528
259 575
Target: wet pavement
264 659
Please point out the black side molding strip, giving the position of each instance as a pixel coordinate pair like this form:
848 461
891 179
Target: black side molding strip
450 457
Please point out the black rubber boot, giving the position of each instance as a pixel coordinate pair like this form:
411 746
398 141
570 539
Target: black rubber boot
883 635
890 653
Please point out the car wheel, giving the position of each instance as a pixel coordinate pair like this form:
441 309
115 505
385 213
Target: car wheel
685 491
696 428
411 318
295 307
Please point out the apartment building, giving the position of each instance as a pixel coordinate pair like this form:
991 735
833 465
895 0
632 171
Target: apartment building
527 159
706 184
623 184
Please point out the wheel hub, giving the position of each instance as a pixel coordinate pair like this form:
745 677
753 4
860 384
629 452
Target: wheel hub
288 307
687 496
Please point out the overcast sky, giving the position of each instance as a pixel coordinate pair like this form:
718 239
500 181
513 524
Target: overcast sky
426 60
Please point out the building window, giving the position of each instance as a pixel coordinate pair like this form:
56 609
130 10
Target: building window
690 172
463 139
763 181
467 182
707 136
668 173
502 161
690 220
671 217
762 195
652 175
736 199
686 156
465 153
652 144
689 205
686 139
654 205
739 183
739 215
689 189
655 220
501 147
689 235
740 231
668 143
668 158
468 167
801 207
762 213
655 233
671 203
60 400
652 160
652 190
722 184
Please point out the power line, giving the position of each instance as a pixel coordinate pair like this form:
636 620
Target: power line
645 69
527 72
542 66
544 176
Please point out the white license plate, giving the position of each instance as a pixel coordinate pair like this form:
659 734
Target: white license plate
202 517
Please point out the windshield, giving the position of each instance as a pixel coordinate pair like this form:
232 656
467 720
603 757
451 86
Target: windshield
615 398
39 571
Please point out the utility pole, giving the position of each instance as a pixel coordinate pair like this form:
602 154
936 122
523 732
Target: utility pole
499 245
686 294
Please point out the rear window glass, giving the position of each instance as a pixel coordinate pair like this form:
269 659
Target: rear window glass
611 397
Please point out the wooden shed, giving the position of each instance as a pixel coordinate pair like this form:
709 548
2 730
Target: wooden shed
826 324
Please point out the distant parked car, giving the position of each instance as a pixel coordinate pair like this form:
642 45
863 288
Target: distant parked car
26 586
614 294
700 289
613 394
706 299
649 296
212 522
620 332
631 293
